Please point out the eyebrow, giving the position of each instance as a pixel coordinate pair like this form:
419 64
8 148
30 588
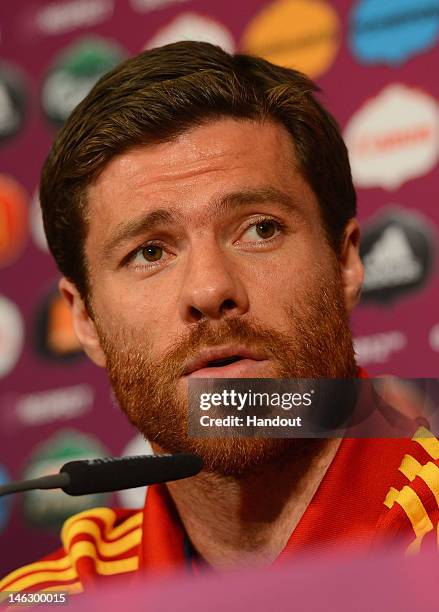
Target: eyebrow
127 230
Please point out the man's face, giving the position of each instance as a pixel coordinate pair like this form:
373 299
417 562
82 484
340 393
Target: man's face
204 251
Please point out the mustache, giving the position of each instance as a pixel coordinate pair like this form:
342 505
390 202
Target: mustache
232 330
315 342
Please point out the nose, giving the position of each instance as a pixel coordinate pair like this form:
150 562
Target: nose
211 287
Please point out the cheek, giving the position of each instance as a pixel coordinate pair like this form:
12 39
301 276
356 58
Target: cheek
284 280
137 317
290 271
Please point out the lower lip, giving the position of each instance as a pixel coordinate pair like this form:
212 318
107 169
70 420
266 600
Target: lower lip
244 368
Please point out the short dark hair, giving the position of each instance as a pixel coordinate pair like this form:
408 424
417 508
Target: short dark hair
159 94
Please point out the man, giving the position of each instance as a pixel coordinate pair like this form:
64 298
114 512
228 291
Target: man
201 210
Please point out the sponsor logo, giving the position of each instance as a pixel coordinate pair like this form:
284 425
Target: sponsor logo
379 348
393 137
12 101
54 405
145 6
135 498
5 502
51 508
74 74
434 337
392 32
11 335
190 26
301 34
55 336
36 224
397 253
13 220
59 17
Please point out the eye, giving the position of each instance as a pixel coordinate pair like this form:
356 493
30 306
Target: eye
265 229
152 252
262 231
149 256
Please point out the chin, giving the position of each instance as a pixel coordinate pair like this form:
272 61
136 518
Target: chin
239 457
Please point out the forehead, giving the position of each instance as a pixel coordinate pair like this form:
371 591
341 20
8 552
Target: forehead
217 156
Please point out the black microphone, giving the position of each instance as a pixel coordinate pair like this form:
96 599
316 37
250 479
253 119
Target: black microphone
112 474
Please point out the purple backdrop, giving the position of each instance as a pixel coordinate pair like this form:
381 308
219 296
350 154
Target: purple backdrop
376 63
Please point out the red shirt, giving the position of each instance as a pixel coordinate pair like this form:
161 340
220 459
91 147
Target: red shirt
375 490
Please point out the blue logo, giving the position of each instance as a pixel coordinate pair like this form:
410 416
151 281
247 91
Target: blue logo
391 31
4 501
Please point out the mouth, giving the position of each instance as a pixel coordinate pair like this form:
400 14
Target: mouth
226 362
219 363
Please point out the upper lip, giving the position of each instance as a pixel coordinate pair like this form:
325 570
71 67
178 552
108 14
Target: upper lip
204 357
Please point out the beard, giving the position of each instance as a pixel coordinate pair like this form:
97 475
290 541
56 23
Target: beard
317 345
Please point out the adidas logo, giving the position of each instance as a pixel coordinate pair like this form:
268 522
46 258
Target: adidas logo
391 261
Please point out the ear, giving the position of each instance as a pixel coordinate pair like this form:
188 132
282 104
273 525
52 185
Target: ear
83 324
351 268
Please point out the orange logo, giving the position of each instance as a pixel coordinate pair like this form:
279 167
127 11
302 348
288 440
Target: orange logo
54 334
13 219
299 34
61 337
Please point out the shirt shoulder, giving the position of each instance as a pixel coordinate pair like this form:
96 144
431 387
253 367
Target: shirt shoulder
412 505
99 542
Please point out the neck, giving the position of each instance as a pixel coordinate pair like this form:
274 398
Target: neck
248 520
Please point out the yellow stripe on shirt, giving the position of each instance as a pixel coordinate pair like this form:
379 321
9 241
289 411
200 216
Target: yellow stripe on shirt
107 549
428 442
53 564
31 580
415 511
73 588
410 467
108 517
430 475
118 544
390 497
78 551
